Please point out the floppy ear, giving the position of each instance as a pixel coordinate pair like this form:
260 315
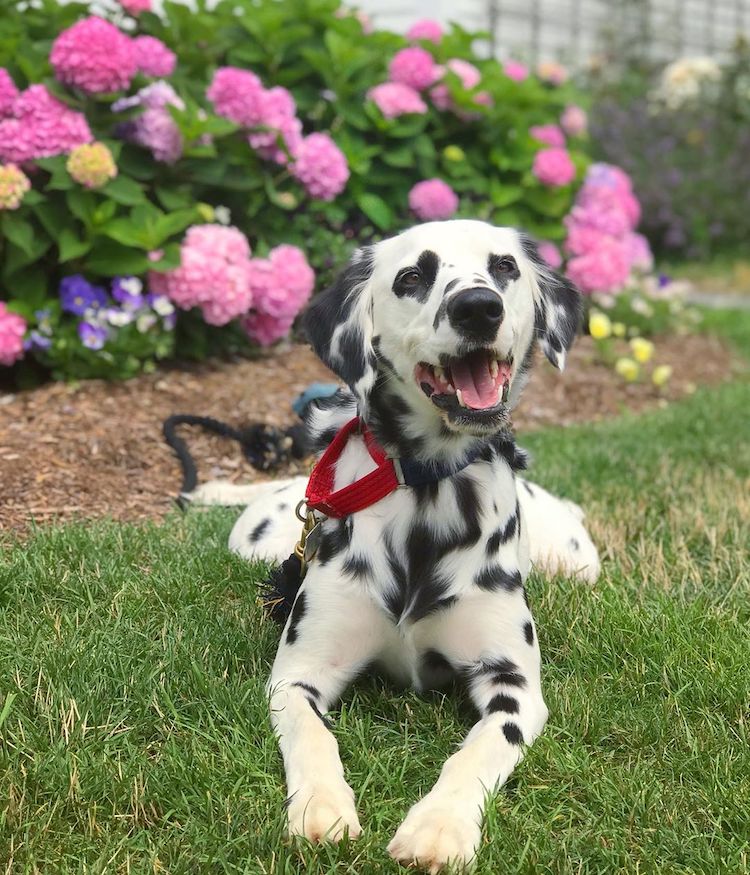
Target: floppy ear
558 307
338 324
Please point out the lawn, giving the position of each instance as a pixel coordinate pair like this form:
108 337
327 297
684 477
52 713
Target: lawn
133 661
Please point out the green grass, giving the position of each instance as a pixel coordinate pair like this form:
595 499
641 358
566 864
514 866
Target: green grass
133 659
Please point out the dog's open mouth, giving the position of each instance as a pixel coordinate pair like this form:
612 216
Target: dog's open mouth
477 381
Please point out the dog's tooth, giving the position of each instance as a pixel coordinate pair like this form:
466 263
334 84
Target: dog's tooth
460 397
439 375
494 368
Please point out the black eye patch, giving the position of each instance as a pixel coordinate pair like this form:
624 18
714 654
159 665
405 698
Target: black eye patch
417 282
503 269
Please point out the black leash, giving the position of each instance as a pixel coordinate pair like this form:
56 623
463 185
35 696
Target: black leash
264 446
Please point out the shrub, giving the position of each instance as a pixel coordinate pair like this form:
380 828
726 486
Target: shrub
683 134
280 122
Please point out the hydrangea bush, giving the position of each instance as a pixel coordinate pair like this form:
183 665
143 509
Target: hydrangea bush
173 184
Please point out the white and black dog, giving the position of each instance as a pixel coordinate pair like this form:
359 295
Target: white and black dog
433 331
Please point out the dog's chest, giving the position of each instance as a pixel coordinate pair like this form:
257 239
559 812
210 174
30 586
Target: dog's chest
420 549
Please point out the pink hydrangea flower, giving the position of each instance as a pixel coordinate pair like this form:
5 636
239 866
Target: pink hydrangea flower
154 128
414 67
13 186
582 237
40 126
153 57
278 112
551 135
135 7
551 254
237 95
426 29
604 269
94 56
466 72
552 73
553 167
433 199
214 274
515 70
12 330
321 167
8 92
638 251
281 284
394 99
574 121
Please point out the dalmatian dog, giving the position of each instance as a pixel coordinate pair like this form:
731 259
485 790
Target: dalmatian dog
433 332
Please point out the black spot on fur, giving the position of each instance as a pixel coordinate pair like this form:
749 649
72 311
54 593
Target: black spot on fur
449 286
333 539
528 632
502 535
357 566
258 532
417 282
429 264
435 661
527 487
326 722
574 545
283 506
500 671
501 702
308 688
495 577
512 733
298 612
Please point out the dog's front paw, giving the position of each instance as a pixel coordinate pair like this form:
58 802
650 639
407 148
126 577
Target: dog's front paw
433 836
323 812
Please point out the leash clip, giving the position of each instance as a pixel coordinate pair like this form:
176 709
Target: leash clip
309 539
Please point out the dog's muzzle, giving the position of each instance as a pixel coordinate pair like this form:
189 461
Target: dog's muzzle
476 314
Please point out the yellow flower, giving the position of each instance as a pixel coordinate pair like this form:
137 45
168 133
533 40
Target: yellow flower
13 186
91 165
628 369
454 153
619 329
661 375
600 326
642 349
206 212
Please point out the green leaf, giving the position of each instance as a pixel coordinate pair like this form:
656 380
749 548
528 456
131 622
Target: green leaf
82 204
110 258
504 195
376 210
128 233
173 198
19 231
53 216
124 191
30 286
70 246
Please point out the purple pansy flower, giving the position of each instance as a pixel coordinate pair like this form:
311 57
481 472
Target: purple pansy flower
127 291
35 340
92 336
77 295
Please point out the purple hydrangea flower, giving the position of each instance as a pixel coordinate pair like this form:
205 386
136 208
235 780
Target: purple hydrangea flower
77 295
92 336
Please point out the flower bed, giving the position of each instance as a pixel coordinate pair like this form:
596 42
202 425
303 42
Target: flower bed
216 164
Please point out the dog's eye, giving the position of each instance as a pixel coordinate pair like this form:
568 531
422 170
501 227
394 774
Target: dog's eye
410 278
504 265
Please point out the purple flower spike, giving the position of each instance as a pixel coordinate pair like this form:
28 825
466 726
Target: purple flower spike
77 295
92 336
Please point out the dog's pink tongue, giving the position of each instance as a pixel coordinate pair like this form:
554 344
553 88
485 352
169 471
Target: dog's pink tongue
472 376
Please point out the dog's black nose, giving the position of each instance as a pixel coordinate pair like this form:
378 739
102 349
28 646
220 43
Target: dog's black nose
476 313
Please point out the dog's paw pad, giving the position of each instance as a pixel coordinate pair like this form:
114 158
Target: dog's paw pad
323 813
433 838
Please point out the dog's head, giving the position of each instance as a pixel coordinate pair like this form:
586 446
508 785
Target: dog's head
444 316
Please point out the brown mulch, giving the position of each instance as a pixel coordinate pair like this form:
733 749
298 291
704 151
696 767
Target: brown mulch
96 449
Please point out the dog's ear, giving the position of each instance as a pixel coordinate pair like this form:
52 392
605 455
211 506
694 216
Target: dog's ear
558 306
338 324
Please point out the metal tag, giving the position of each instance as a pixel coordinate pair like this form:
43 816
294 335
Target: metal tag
312 541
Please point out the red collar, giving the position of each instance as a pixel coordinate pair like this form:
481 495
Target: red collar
358 495
368 490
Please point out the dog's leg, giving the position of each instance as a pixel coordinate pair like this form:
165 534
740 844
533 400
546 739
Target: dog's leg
333 632
489 639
